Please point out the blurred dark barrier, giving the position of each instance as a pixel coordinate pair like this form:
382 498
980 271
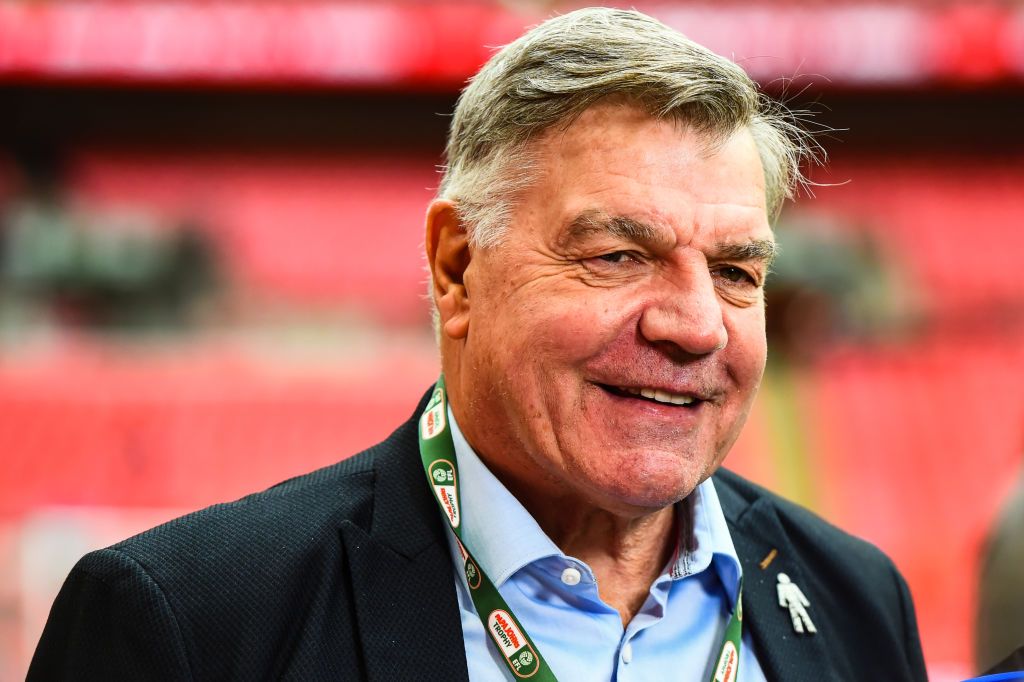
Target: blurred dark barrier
438 44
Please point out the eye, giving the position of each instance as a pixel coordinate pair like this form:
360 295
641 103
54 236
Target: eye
615 265
736 275
615 257
618 257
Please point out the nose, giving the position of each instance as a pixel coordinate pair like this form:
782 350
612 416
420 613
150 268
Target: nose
686 313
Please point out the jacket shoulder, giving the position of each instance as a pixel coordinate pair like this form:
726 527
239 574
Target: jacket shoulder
248 589
856 585
283 517
801 524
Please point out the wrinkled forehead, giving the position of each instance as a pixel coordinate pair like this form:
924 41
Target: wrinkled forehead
617 136
622 147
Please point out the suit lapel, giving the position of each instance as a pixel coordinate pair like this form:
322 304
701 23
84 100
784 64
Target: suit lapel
401 573
765 551
408 622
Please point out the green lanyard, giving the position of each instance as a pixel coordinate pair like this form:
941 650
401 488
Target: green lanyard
520 654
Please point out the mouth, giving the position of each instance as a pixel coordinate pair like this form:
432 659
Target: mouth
654 395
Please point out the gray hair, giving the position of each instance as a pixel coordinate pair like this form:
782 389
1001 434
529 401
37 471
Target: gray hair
557 70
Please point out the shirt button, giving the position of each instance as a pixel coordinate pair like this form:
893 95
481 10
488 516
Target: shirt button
627 652
571 576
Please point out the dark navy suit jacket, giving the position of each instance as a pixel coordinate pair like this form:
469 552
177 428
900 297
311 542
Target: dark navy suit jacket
345 574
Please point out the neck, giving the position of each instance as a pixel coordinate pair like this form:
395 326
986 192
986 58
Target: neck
626 553
626 548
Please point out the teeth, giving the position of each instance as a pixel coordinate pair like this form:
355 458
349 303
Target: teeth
660 396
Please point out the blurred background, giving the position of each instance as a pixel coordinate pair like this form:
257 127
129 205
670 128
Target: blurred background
211 275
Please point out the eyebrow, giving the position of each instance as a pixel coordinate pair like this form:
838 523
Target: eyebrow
763 250
590 223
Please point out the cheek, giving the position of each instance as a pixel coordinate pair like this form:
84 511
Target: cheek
565 330
749 346
757 357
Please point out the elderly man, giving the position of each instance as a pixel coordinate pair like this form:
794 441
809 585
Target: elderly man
555 508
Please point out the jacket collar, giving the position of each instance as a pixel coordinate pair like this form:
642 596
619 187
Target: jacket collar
402 583
765 551
405 517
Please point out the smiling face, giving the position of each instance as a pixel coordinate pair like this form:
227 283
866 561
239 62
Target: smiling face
609 350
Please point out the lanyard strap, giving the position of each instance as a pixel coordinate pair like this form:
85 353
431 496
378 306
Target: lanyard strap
521 656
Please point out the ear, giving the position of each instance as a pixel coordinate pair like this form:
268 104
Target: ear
448 256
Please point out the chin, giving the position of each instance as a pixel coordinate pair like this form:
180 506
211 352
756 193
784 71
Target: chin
652 487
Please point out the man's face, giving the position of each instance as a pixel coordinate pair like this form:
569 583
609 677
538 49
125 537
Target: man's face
615 341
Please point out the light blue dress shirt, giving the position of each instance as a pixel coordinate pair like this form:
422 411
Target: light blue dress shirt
674 636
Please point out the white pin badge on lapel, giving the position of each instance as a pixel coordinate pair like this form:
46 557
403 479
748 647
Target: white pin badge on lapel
792 597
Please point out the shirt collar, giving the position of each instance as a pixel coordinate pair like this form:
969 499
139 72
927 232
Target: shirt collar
504 537
713 542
